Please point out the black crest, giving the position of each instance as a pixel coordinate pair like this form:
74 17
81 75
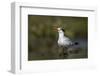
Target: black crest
63 30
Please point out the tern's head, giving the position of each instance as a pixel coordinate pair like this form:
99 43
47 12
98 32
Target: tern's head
60 29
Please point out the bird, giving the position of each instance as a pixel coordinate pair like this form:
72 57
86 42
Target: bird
64 41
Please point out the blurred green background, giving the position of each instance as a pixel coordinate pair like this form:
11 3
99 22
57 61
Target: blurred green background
42 39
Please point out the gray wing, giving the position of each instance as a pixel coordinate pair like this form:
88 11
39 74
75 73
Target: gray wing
67 41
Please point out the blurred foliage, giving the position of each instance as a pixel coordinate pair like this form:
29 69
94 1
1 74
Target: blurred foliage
42 39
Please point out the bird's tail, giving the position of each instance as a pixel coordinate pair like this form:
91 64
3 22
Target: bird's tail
76 43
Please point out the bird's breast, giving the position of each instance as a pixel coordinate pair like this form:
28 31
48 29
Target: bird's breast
60 41
64 42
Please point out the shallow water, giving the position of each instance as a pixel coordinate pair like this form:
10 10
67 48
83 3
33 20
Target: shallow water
52 52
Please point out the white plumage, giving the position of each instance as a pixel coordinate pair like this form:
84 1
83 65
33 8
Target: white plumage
63 40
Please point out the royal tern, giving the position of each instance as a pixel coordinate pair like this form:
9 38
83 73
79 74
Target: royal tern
64 41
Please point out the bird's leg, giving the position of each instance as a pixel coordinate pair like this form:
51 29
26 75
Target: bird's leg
65 52
60 51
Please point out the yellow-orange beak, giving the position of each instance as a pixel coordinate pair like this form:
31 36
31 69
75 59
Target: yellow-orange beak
55 28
